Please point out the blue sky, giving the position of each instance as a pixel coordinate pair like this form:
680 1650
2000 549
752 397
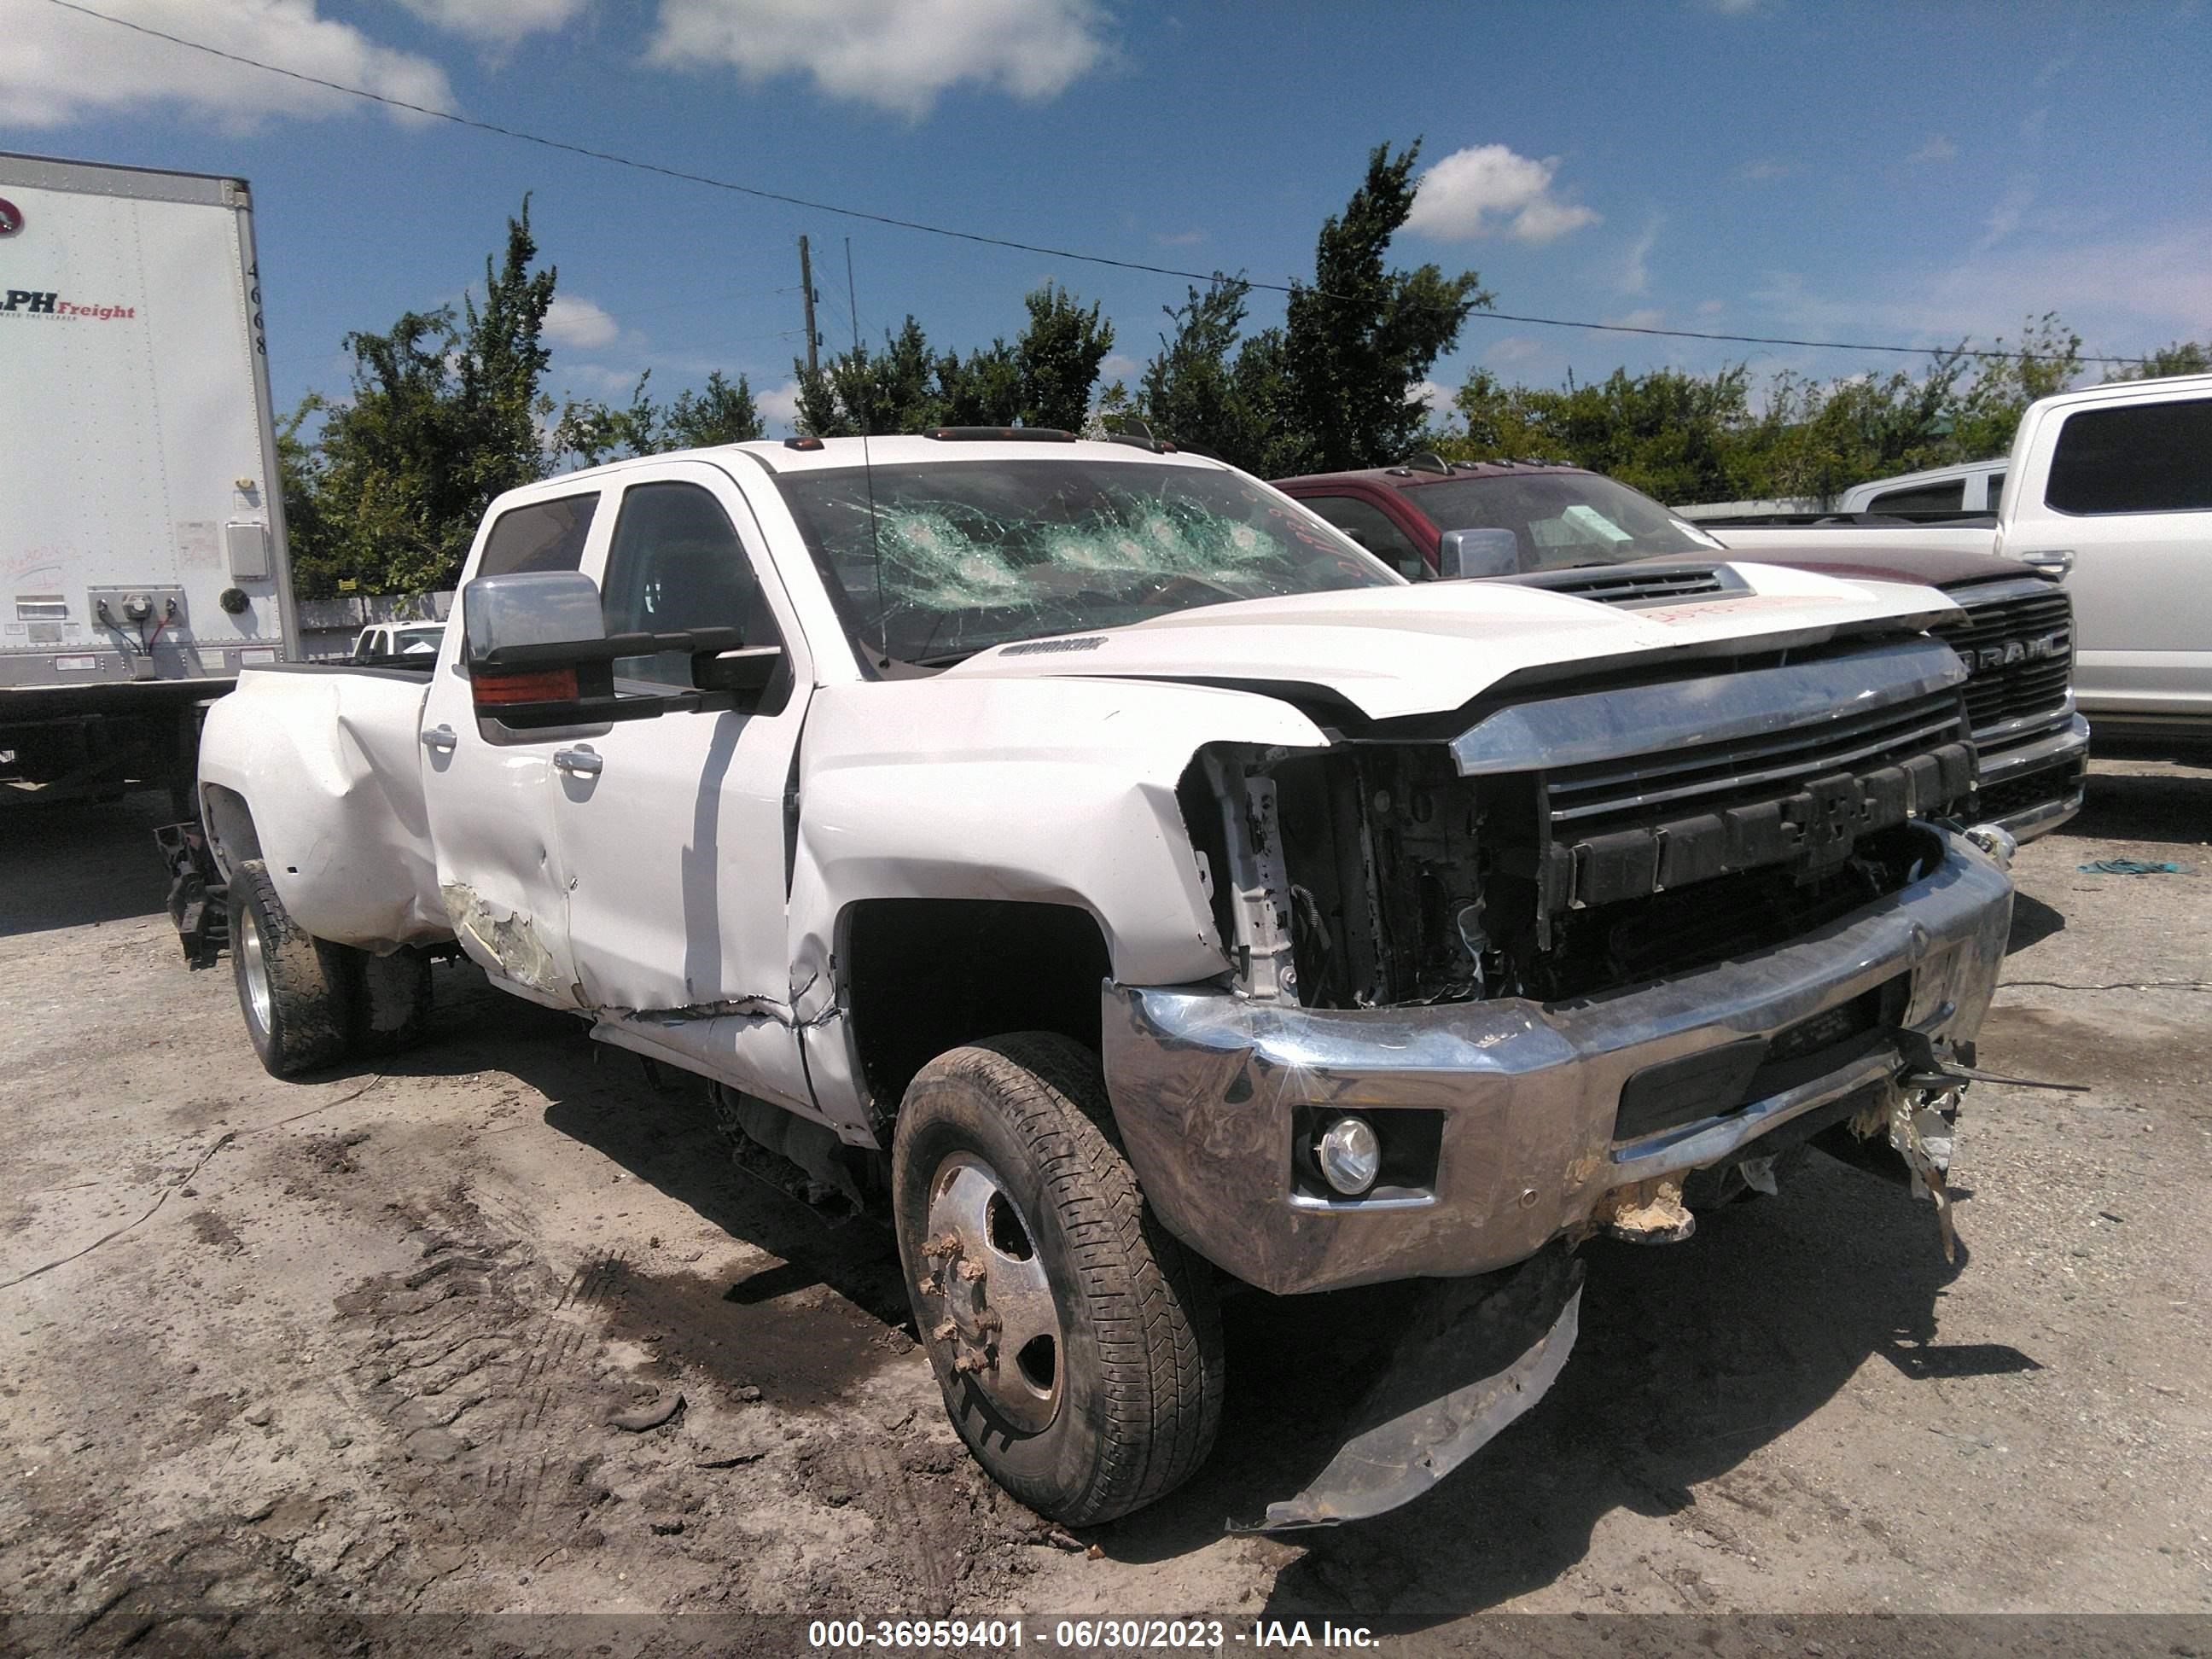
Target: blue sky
1907 174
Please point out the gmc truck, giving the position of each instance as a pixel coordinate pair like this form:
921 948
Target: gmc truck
1570 530
1094 861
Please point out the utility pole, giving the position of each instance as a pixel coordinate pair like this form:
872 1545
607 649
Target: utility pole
806 288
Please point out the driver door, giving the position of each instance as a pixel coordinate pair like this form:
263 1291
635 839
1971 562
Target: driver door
673 830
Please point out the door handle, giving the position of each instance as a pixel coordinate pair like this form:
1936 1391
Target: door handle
2055 563
440 737
579 763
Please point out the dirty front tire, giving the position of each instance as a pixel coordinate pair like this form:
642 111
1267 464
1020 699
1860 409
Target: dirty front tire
1023 1121
390 1001
294 989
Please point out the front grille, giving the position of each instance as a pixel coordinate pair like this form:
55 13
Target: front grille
1712 776
2019 653
1645 585
1802 796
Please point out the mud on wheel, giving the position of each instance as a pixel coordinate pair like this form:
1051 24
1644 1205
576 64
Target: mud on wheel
1077 1345
296 990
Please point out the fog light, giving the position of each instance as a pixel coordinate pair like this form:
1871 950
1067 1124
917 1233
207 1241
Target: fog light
1351 1155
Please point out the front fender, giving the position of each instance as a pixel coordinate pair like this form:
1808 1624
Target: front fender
1057 792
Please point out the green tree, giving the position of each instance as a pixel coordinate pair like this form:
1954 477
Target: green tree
719 413
1044 378
1357 344
1193 390
443 416
1056 360
1986 415
1338 384
1674 435
2181 357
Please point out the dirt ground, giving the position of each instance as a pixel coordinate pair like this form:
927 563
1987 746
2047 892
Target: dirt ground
348 1348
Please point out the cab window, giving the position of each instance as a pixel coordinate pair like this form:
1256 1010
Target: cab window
543 536
2152 458
1949 496
675 563
1371 528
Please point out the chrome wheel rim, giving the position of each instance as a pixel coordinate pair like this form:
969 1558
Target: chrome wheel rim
255 967
984 1276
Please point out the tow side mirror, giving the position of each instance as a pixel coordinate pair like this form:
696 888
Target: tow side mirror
539 656
527 638
1462 554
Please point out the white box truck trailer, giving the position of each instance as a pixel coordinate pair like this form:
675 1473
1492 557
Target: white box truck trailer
141 544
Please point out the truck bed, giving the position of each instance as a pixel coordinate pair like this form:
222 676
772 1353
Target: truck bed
352 819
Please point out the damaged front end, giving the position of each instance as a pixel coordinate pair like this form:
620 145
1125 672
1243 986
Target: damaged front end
1579 966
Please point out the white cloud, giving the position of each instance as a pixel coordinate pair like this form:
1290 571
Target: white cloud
1712 307
1514 348
779 405
573 320
1636 271
56 67
2122 292
1644 317
498 22
1119 366
1486 188
1736 7
1937 148
599 380
899 55
1180 238
1433 397
1765 169
2004 217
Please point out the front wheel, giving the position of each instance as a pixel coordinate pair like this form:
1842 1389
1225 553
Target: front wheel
295 989
1077 1343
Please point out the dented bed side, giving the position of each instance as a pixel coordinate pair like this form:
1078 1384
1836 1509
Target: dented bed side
323 763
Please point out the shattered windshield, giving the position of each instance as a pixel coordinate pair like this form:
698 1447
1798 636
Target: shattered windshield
1562 519
931 563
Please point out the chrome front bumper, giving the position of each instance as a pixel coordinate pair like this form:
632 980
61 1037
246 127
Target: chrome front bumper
2040 782
1206 1087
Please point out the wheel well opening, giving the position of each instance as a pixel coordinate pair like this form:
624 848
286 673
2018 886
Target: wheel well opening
929 975
231 834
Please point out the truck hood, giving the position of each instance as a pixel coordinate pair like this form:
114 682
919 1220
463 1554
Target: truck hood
1946 567
1396 651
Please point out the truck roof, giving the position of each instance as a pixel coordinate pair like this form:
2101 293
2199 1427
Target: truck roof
2111 390
1412 478
828 454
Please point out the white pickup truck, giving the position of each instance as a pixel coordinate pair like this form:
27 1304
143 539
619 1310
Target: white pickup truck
2111 488
1091 857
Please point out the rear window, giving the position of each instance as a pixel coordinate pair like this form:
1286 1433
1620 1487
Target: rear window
2153 457
1949 497
543 536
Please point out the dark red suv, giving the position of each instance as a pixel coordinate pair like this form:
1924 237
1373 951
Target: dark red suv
1583 533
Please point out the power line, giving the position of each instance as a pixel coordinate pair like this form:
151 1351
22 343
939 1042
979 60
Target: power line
983 240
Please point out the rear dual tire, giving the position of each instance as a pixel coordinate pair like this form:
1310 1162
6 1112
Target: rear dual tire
310 1004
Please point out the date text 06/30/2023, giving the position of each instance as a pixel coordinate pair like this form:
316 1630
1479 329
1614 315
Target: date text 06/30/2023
1084 1635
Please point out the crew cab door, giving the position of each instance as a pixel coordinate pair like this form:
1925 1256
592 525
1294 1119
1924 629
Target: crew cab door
489 793
674 831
